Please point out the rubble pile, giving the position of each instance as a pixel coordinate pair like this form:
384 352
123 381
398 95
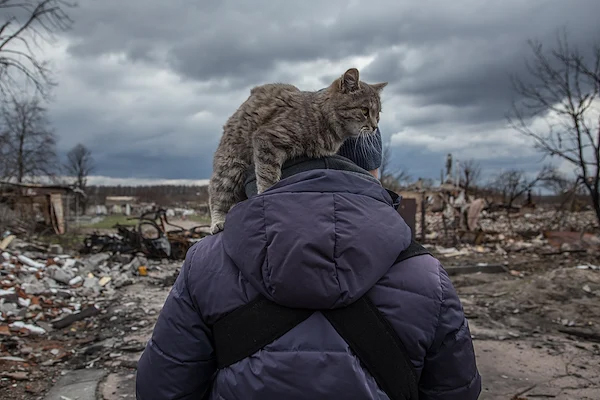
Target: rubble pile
45 293
154 236
537 221
519 225
540 233
39 289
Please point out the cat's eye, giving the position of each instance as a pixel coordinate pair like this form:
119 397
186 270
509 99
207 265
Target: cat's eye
365 111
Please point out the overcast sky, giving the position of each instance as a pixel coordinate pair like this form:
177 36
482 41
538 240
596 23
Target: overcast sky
148 84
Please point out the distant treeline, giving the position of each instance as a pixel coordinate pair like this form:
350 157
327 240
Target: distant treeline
163 195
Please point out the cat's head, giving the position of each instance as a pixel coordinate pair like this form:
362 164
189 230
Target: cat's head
355 104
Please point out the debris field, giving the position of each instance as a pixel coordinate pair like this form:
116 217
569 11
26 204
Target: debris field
529 283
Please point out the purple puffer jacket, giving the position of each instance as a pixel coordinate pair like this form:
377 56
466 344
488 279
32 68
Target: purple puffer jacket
318 239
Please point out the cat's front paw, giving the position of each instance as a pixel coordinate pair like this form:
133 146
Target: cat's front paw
217 227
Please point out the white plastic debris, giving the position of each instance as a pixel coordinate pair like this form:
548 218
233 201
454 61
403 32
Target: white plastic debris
31 328
588 266
75 281
69 263
11 358
29 262
7 292
24 302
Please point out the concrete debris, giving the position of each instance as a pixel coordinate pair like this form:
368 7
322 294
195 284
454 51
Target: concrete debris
62 312
122 258
29 262
39 289
499 234
61 275
96 259
122 280
55 249
550 226
34 288
133 265
77 385
17 376
531 281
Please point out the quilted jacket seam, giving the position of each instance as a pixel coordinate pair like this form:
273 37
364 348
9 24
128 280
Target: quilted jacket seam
439 313
191 263
267 270
156 348
457 389
335 242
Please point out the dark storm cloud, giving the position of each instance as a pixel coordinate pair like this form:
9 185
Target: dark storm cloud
448 65
136 164
229 39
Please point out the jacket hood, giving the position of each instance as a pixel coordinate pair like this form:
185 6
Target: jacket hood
317 239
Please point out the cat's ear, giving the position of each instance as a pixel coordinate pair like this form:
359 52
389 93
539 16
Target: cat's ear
379 86
350 81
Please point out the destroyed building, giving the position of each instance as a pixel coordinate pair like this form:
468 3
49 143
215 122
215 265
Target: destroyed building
37 207
121 204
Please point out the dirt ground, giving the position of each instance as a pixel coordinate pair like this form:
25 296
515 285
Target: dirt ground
536 329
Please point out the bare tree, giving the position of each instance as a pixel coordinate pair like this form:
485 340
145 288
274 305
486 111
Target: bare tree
391 178
470 174
566 190
30 143
563 91
80 164
24 23
559 184
4 152
514 183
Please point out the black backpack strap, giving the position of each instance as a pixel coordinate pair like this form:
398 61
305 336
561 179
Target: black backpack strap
413 250
249 328
377 346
